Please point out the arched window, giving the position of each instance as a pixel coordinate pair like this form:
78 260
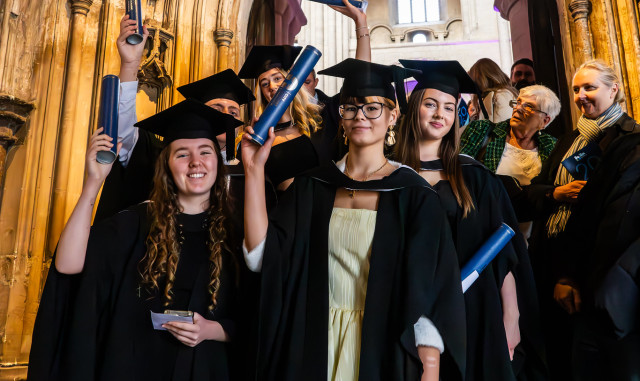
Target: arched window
417 11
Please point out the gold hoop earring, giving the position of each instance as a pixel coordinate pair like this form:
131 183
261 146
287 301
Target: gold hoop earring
391 136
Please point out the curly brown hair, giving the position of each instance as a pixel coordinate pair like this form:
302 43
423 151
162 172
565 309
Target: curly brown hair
163 247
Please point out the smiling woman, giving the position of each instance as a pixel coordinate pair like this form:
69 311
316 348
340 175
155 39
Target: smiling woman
193 165
174 252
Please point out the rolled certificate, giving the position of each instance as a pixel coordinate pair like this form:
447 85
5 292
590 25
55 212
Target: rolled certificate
285 94
134 10
472 269
108 116
339 3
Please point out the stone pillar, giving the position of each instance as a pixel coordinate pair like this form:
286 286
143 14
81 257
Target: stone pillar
70 136
506 53
223 38
580 10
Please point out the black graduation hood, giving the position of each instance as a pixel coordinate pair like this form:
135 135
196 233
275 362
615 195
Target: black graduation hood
266 57
367 79
189 119
225 84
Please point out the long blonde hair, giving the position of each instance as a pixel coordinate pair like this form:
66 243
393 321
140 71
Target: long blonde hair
407 150
163 246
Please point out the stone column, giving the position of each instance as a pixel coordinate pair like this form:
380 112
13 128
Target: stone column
223 38
506 53
580 10
70 136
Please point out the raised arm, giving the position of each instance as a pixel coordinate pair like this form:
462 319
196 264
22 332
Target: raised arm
255 207
72 247
130 57
363 40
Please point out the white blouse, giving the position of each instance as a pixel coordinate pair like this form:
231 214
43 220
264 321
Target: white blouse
523 164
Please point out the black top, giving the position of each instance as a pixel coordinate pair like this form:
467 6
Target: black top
448 202
413 272
289 159
96 325
487 351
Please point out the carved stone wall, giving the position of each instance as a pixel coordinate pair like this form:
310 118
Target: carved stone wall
53 54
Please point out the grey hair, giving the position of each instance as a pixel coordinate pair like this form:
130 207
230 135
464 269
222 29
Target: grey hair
546 99
607 75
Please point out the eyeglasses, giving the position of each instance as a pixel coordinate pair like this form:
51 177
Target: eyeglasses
525 106
369 110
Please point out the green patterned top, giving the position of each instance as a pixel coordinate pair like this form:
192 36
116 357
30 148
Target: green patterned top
473 137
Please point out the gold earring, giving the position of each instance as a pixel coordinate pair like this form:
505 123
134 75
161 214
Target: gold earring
391 136
344 135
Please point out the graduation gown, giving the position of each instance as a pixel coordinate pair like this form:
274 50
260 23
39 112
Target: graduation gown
413 272
96 325
487 350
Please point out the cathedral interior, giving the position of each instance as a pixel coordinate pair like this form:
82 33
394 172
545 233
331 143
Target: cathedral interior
53 54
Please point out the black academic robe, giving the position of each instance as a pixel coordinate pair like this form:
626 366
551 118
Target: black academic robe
96 325
487 351
328 140
413 272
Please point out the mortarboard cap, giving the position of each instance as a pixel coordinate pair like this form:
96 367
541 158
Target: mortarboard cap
263 58
189 119
446 76
225 84
366 79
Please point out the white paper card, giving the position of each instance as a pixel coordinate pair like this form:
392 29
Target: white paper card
159 319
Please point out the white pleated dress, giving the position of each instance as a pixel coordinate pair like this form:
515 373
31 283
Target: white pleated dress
350 237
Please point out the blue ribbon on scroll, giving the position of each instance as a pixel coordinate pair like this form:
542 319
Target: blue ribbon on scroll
487 252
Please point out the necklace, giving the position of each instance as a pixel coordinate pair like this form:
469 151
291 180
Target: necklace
352 192
283 126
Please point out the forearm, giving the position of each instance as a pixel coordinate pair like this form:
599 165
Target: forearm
255 209
509 296
129 71
72 246
363 44
430 358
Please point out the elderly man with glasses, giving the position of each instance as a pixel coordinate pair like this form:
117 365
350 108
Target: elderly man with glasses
516 147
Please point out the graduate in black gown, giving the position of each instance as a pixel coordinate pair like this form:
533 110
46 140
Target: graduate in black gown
401 283
173 252
131 177
502 312
293 151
